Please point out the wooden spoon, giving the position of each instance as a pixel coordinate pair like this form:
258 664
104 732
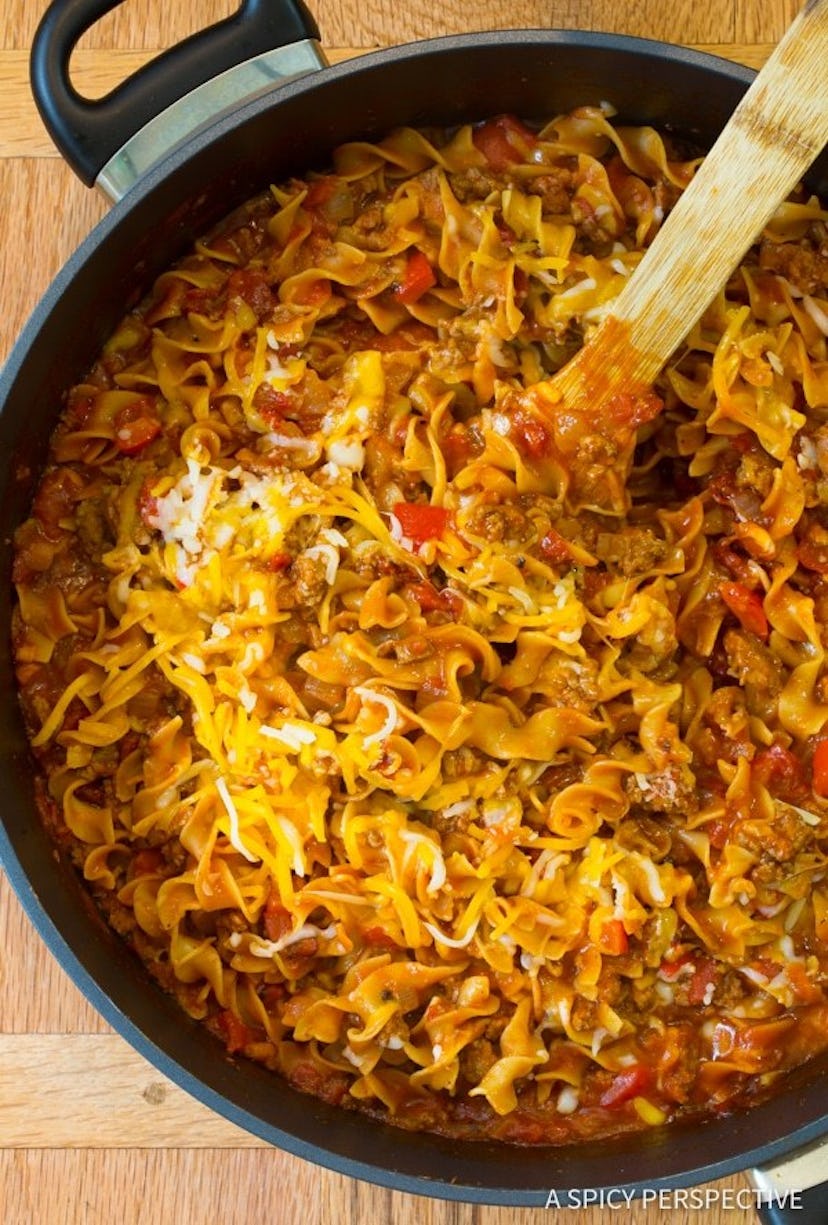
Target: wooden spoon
596 402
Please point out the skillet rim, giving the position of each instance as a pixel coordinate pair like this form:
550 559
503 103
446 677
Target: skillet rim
474 1183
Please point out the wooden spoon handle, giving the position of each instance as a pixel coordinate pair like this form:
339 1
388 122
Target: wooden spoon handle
773 136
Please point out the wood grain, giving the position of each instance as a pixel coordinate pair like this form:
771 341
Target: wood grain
755 21
141 1108
39 998
225 1187
89 1132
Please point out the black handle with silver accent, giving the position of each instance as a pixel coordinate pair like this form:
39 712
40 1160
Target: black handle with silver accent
792 1188
90 132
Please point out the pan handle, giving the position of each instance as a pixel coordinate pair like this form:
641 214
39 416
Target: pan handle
791 1188
89 133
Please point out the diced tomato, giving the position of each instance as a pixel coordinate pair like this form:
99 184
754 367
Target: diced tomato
733 561
279 561
133 436
633 408
779 769
702 972
272 405
628 1084
819 767
703 978
747 606
813 556
252 286
236 1034
379 938
531 435
457 447
420 521
136 425
419 277
671 970
432 600
614 939
277 920
320 191
722 487
555 547
428 597
504 141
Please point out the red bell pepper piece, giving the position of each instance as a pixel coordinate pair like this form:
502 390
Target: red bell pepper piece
531 435
672 970
277 919
813 556
236 1034
428 597
135 426
705 975
320 191
781 770
504 141
420 521
746 605
614 939
419 277
819 767
379 938
630 1083
555 547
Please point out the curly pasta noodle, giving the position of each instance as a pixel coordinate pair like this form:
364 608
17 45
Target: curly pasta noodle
443 796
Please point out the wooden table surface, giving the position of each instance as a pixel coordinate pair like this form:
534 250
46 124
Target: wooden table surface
90 1132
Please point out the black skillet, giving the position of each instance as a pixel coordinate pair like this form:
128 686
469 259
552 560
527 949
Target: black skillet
226 142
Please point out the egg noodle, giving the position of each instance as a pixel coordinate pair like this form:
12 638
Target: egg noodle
442 793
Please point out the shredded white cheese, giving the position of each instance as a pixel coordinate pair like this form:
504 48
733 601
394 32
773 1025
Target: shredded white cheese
232 813
392 716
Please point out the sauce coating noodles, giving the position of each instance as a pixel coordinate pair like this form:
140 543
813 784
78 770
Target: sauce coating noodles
445 798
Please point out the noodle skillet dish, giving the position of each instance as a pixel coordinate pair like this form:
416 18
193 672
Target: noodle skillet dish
463 769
